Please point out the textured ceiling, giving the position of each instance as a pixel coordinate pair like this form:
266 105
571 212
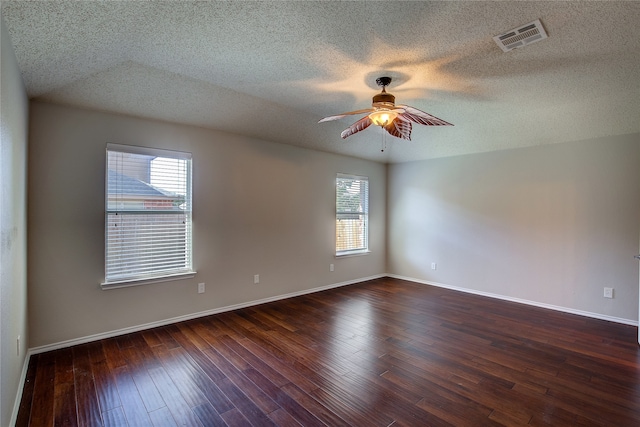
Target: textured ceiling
271 70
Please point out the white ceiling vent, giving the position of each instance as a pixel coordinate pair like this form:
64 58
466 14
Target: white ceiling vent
521 36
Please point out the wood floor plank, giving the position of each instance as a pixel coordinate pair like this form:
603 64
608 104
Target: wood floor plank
64 390
186 370
195 345
86 399
240 380
43 394
262 364
283 419
296 409
235 418
320 411
284 370
165 338
151 338
208 416
115 418
132 404
137 367
353 413
162 418
180 376
384 352
104 381
112 354
244 404
180 410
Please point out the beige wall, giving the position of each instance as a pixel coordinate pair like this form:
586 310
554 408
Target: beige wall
551 224
259 208
13 233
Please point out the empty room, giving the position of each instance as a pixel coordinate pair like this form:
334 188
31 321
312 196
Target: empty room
319 213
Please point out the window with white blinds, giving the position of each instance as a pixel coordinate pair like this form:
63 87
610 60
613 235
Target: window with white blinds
352 214
148 214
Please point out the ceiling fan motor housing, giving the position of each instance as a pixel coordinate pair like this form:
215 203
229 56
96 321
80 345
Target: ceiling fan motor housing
384 100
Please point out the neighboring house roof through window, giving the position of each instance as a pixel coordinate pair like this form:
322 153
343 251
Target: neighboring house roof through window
123 184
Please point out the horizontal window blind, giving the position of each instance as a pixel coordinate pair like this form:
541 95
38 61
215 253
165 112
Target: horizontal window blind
352 214
148 214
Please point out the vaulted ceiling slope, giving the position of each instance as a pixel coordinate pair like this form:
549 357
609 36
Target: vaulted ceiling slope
271 70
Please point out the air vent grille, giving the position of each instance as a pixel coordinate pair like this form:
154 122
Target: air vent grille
521 36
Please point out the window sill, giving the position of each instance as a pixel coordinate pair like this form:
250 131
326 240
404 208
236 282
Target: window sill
354 253
146 281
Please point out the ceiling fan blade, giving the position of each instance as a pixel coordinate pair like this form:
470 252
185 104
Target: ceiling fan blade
420 117
350 113
361 124
399 128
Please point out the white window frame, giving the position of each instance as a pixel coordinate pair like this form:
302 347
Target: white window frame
156 274
362 212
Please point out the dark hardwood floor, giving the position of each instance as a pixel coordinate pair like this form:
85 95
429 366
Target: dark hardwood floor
383 352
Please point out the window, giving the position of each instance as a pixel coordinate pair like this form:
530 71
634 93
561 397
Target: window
352 214
148 215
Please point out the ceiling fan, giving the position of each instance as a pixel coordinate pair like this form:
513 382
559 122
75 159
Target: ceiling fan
395 119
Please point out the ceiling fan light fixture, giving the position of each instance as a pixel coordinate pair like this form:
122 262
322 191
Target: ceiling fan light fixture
382 117
384 112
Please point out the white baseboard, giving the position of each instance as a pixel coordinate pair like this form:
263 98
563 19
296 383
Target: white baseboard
123 331
521 301
118 332
164 322
23 378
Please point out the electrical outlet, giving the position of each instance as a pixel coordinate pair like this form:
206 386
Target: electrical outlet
201 288
331 267
434 265
256 279
608 292
18 345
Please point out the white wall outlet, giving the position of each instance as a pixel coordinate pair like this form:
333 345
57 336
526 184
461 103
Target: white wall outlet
201 288
331 267
18 345
434 265
256 279
608 292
